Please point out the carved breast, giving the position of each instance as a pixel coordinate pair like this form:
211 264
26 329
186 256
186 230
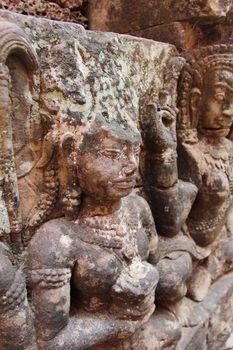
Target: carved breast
209 210
105 272
95 271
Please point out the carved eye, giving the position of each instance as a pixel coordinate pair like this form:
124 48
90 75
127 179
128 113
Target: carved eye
111 153
219 97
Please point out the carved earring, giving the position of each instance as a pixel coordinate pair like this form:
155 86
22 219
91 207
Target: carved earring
194 105
72 195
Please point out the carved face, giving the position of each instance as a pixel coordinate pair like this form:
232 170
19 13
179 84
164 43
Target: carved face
107 166
216 109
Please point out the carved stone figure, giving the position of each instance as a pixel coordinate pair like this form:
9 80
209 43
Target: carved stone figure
205 152
74 149
170 198
201 198
71 219
90 281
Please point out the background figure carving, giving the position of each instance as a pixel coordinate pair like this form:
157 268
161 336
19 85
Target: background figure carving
205 155
170 197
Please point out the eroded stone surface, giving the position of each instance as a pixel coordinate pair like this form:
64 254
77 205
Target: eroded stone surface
129 17
63 10
89 277
82 110
186 24
213 328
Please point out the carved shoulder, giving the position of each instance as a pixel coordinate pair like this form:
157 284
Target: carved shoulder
142 207
52 246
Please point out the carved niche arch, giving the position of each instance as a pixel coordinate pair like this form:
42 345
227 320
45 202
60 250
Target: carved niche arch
18 65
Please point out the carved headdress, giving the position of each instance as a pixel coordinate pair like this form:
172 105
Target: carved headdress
114 109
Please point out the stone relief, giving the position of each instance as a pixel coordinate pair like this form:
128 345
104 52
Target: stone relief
84 241
170 197
104 252
204 122
82 264
17 66
189 189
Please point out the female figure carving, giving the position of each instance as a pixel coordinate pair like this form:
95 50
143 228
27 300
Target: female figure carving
89 278
205 152
202 195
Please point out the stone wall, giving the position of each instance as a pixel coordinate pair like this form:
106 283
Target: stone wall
116 175
61 10
186 24
69 95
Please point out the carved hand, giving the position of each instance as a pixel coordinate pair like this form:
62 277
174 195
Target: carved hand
159 129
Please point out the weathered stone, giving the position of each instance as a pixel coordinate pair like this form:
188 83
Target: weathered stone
208 68
193 255
62 10
215 316
185 35
175 33
89 277
185 24
133 16
73 106
162 331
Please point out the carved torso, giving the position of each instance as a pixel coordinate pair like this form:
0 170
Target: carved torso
107 256
214 198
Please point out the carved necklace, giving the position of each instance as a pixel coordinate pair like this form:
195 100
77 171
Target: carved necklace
217 159
105 231
113 232
222 162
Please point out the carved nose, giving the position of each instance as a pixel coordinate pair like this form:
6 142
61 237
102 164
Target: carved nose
228 112
130 167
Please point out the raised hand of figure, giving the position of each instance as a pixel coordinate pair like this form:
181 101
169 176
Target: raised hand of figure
158 124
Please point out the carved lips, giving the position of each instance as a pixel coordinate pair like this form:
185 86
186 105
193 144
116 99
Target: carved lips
125 183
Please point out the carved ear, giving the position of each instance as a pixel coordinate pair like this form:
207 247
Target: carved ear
195 98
